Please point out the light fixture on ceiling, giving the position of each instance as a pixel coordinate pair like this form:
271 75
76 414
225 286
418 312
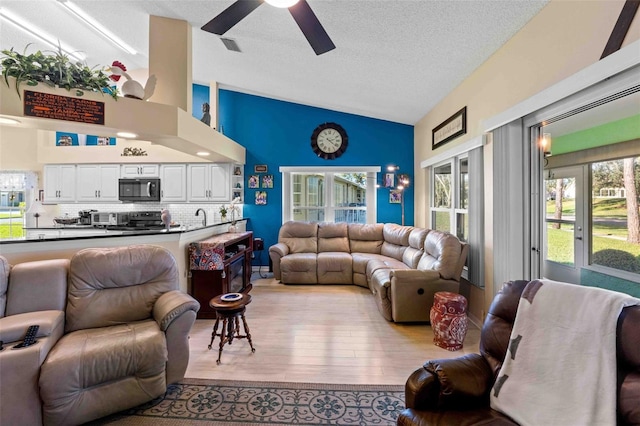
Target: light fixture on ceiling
127 135
96 26
202 153
39 34
282 3
9 121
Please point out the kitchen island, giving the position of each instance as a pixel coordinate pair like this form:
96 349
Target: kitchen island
64 242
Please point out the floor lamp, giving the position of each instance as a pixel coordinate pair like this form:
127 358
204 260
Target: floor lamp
402 183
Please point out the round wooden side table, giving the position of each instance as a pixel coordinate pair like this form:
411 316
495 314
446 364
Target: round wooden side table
230 313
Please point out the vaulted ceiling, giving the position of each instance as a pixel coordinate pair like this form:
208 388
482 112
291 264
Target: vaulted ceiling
394 60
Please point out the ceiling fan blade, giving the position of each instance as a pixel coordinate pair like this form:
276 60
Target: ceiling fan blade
311 27
231 16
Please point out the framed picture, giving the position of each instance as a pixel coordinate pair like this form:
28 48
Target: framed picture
261 197
389 180
451 128
260 168
395 196
267 181
254 181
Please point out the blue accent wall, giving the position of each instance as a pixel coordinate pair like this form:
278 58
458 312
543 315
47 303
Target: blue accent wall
200 95
278 133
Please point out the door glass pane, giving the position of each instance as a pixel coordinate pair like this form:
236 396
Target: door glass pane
349 189
615 231
308 214
560 217
442 186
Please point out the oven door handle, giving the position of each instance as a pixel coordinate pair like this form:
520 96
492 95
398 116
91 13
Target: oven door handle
148 189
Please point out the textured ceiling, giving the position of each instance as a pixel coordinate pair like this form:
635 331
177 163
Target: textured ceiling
394 60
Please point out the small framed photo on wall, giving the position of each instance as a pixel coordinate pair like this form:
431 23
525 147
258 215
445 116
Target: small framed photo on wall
254 181
261 198
389 180
267 181
395 196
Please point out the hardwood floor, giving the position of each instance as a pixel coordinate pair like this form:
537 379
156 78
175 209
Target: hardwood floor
318 334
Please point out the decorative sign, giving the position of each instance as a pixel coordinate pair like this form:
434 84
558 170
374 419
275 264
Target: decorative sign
451 128
47 105
260 168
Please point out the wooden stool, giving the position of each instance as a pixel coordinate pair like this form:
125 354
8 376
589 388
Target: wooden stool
449 320
230 313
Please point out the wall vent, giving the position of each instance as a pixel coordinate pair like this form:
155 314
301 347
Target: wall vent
230 44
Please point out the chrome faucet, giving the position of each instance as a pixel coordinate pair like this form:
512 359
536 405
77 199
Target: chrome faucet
204 221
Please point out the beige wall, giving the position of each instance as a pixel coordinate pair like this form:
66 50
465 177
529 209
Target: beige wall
564 38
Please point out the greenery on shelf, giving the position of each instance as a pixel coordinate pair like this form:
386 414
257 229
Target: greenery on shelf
55 70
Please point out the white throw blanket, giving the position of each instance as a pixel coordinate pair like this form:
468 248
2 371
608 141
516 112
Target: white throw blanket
560 368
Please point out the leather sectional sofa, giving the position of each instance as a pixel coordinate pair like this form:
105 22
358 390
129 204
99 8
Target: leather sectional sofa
403 266
113 333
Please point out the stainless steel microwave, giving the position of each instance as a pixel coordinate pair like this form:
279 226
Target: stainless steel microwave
139 190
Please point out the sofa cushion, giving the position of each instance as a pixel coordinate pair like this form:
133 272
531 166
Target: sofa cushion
80 375
300 237
119 285
365 238
299 268
413 253
334 268
441 253
39 285
383 263
333 237
396 240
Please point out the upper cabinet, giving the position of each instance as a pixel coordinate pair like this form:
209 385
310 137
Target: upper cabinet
139 170
173 182
97 182
59 183
208 182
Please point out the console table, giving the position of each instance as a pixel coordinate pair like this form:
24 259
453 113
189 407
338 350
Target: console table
220 264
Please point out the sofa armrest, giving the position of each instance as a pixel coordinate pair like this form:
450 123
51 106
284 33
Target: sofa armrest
38 286
277 252
171 305
14 327
458 383
407 276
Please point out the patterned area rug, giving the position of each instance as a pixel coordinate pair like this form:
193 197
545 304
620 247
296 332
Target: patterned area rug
226 402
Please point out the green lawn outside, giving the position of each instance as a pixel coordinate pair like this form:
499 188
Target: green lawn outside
6 215
602 207
15 231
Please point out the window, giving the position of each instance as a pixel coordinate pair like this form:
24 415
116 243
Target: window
338 194
615 227
457 203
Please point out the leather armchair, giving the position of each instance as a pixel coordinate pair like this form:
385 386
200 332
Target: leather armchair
126 334
31 293
456 391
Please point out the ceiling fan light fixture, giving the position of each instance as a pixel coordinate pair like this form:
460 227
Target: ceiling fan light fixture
282 3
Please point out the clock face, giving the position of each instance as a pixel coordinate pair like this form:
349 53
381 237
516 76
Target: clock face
329 141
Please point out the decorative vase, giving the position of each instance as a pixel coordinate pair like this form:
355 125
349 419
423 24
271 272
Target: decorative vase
223 218
232 228
449 320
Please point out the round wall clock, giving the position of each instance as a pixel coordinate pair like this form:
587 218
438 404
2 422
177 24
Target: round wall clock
329 141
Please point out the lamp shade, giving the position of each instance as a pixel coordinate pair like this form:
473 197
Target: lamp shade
36 207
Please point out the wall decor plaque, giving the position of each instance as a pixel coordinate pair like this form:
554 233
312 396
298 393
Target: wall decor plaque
451 128
48 105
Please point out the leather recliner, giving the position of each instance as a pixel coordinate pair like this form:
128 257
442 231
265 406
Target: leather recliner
126 334
456 391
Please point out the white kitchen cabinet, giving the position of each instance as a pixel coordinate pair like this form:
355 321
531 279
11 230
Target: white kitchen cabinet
208 183
173 182
139 170
59 183
97 182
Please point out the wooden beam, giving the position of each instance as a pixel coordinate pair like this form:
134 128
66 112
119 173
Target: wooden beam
621 28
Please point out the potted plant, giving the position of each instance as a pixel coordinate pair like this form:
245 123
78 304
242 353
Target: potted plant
223 213
55 70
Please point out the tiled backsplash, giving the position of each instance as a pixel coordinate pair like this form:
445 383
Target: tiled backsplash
183 214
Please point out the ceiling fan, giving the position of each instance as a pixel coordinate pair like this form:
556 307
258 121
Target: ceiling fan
299 9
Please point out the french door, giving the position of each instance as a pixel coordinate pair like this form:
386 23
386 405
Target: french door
565 221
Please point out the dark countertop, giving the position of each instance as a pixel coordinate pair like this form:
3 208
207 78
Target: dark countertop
104 233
